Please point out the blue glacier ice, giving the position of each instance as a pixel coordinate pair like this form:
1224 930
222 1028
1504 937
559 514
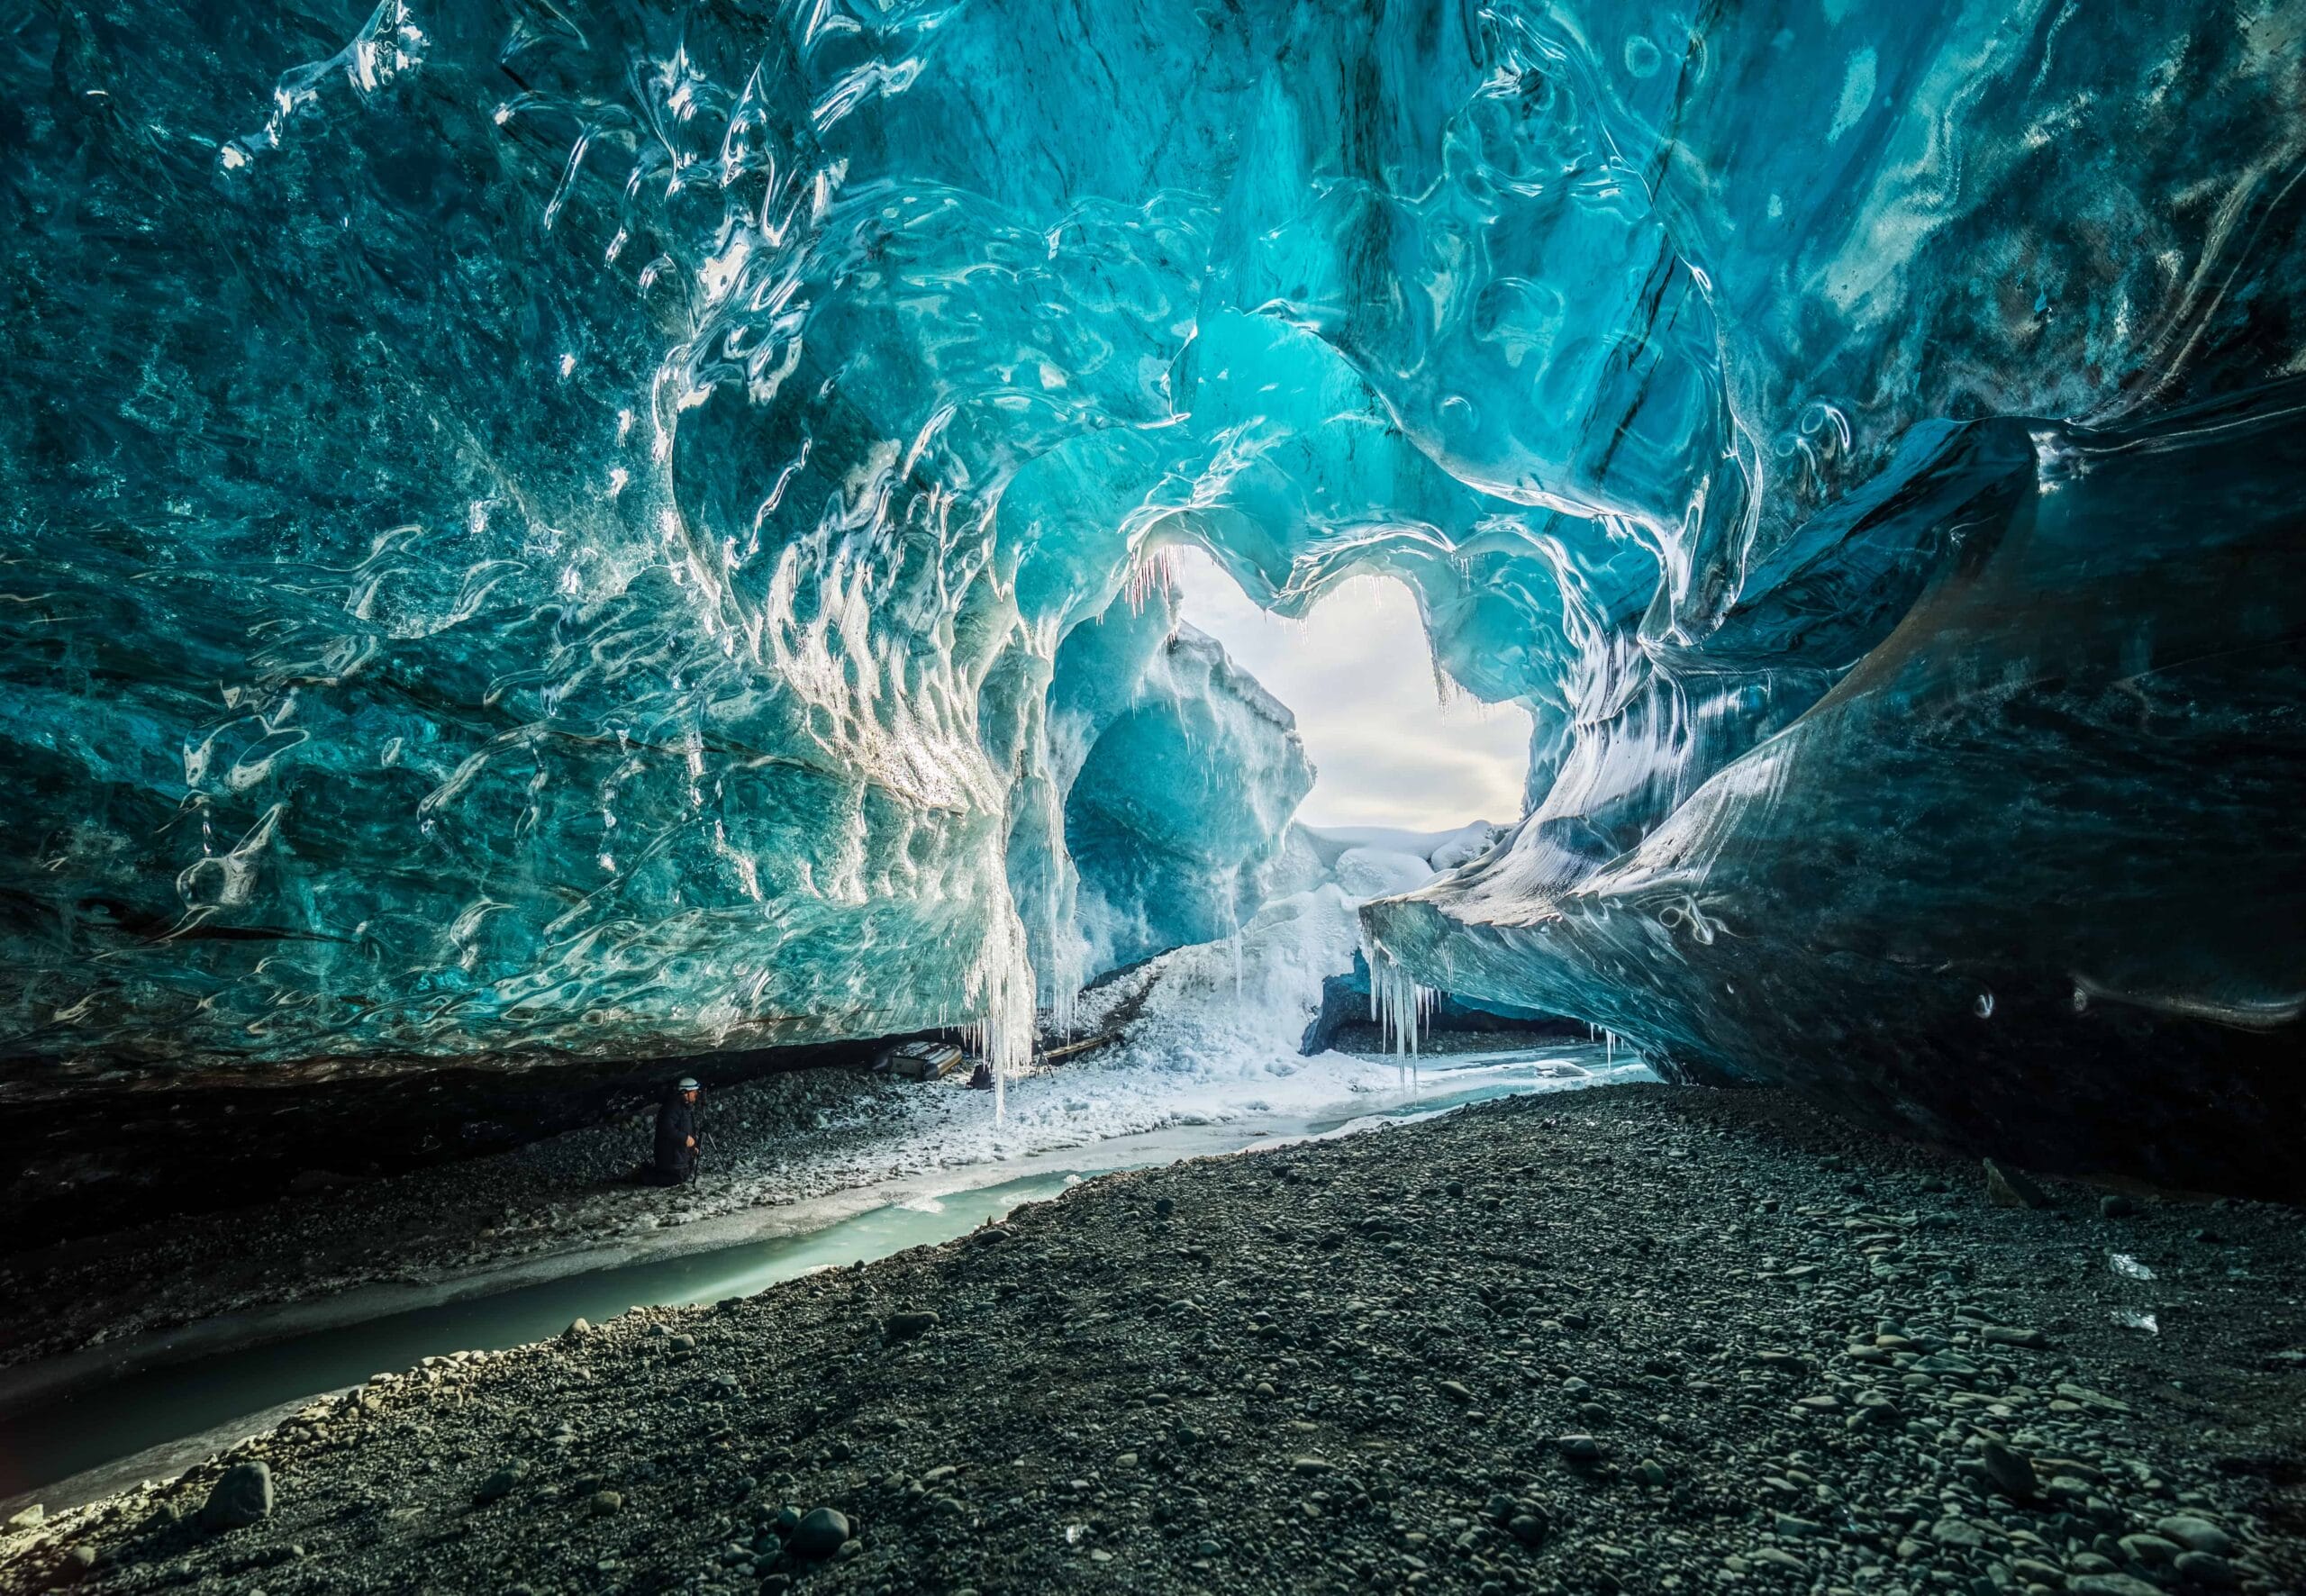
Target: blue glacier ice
584 528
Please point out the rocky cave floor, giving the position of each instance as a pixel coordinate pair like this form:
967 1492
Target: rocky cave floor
1637 1339
780 1140
770 1142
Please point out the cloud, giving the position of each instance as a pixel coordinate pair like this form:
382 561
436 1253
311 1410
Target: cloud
1358 673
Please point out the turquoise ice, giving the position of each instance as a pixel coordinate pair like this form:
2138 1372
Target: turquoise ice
588 528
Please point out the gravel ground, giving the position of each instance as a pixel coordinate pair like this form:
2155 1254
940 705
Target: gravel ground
771 1142
1634 1338
553 1196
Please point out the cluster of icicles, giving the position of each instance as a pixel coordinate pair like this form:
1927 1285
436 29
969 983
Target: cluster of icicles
1401 1008
1398 1005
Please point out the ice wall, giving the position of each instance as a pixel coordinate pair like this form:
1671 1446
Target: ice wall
597 526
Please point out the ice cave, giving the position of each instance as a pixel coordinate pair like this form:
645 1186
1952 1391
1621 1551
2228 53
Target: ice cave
556 545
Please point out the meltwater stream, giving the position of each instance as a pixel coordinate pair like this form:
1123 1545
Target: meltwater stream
156 1421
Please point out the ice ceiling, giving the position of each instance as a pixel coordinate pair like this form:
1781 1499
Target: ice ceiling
558 527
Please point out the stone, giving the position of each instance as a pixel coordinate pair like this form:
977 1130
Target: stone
2196 1534
2111 1584
1528 1528
2010 1471
2149 1549
242 1496
2007 1187
821 1533
2207 1569
2082 1396
2012 1336
909 1325
32 1518
500 1483
1956 1532
605 1502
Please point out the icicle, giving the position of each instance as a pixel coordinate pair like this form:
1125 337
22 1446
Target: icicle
1399 1005
1003 987
1153 572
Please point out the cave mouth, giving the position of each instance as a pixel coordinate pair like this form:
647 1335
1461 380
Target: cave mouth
1395 743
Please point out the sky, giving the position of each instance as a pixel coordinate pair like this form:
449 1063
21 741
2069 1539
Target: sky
1360 676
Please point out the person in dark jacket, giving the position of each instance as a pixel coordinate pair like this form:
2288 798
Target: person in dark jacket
677 1137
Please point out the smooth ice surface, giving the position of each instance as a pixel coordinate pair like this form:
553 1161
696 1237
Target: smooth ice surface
615 528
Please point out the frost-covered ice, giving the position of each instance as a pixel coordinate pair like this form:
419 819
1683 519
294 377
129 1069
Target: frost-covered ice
1211 1034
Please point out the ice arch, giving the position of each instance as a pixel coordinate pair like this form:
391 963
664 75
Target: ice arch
596 528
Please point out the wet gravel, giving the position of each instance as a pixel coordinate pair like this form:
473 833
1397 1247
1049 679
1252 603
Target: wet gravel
780 1140
1637 1339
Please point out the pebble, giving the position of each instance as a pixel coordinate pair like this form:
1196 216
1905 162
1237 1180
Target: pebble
2010 1188
501 1483
2148 1548
2207 1569
821 1533
2196 1534
2007 1469
2111 1584
242 1496
2012 1336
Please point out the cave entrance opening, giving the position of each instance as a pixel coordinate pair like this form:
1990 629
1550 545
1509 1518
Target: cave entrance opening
1397 744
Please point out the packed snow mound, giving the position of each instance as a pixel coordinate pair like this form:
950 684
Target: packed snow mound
1365 872
1441 850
